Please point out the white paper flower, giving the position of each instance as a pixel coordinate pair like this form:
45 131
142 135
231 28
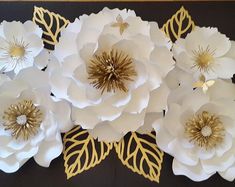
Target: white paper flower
20 44
199 132
30 121
204 51
110 67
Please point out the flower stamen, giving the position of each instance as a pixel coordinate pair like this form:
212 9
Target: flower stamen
23 119
110 71
205 130
203 58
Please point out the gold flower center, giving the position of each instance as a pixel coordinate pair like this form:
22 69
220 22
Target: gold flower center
203 58
205 130
17 51
110 71
23 119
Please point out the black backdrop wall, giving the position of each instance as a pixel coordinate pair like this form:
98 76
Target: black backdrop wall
111 173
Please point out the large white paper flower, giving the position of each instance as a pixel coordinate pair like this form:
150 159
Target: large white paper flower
205 51
199 132
20 44
110 67
30 121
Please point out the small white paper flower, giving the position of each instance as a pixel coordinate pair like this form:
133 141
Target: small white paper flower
198 131
111 67
30 121
204 51
20 44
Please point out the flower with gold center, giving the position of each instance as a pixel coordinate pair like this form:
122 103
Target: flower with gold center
23 119
20 44
111 71
198 131
205 51
31 122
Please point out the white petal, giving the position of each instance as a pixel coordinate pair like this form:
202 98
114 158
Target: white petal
40 78
195 173
66 46
9 165
222 89
35 44
13 30
62 111
224 67
139 100
229 174
106 112
26 153
220 43
163 58
195 100
77 95
172 120
158 99
158 36
128 122
31 27
104 132
163 137
48 151
149 119
183 155
225 145
13 88
84 117
231 52
59 84
219 163
42 59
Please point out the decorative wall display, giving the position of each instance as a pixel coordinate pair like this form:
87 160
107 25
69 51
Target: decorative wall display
110 81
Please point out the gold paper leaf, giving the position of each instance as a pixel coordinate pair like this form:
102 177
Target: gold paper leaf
82 152
141 154
179 25
51 24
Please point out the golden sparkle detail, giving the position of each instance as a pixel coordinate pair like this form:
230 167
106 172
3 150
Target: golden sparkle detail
23 119
205 130
203 58
111 71
121 24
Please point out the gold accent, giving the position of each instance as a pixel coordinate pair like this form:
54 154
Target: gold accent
51 23
122 25
110 71
202 83
16 49
23 119
203 58
82 152
179 25
205 130
141 154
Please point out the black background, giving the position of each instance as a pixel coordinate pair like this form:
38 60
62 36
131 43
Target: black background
111 173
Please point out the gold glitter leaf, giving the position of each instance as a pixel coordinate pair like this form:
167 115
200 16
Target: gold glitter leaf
82 152
179 25
141 154
51 24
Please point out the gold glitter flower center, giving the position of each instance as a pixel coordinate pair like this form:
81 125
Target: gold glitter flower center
203 58
23 119
110 71
205 130
17 51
